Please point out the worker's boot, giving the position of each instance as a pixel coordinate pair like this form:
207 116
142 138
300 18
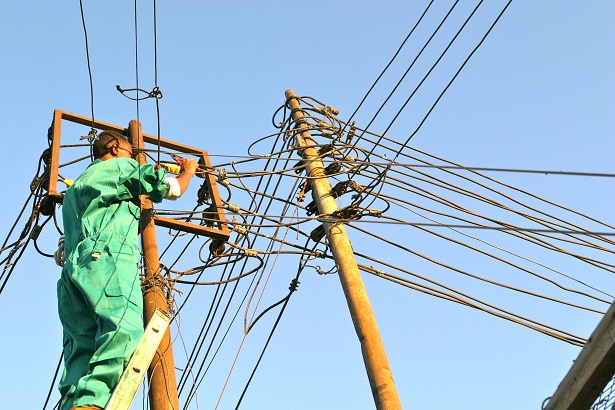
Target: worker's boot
86 408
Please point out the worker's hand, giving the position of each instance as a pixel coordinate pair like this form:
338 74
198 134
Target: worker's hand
189 166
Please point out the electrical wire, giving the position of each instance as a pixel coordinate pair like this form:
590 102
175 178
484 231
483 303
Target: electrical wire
491 309
419 126
418 55
53 382
192 391
136 25
92 133
391 61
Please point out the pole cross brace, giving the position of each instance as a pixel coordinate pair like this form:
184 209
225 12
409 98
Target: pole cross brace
218 228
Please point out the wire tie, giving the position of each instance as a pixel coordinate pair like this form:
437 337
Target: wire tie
233 208
250 252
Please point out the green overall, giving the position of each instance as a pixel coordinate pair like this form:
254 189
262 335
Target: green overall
99 294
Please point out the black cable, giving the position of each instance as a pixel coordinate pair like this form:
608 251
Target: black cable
200 341
9 266
33 188
275 325
25 205
40 227
53 382
136 56
292 288
12 266
193 390
454 165
155 46
563 224
391 61
468 274
156 77
449 83
491 309
445 88
215 305
416 59
92 133
527 171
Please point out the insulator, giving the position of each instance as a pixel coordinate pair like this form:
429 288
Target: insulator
35 183
36 231
325 150
376 212
233 208
203 194
46 207
311 208
294 284
222 177
339 189
209 215
318 233
333 168
350 133
326 110
242 230
217 247
299 167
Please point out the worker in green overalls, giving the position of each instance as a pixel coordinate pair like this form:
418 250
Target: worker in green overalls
99 294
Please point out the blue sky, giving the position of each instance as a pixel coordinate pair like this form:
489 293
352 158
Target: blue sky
538 94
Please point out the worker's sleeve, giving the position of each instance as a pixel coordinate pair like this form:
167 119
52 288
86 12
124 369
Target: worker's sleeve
142 179
174 189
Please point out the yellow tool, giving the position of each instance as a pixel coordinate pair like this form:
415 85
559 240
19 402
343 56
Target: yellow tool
172 168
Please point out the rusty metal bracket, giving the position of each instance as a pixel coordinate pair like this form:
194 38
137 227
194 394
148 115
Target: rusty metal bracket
218 229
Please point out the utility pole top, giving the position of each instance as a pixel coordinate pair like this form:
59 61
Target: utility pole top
374 355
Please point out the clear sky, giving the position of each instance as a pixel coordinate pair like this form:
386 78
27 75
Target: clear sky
537 95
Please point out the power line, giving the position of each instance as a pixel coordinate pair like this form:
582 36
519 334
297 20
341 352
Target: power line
516 170
467 300
392 59
445 88
92 134
87 53
415 60
136 25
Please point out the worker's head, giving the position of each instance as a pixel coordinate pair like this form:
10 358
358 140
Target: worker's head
111 144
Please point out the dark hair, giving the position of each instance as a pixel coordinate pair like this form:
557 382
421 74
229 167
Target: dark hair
105 141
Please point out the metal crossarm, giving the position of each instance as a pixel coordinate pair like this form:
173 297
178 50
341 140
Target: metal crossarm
217 228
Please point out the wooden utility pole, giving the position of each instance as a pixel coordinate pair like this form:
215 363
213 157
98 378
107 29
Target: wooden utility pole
374 355
162 381
591 371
